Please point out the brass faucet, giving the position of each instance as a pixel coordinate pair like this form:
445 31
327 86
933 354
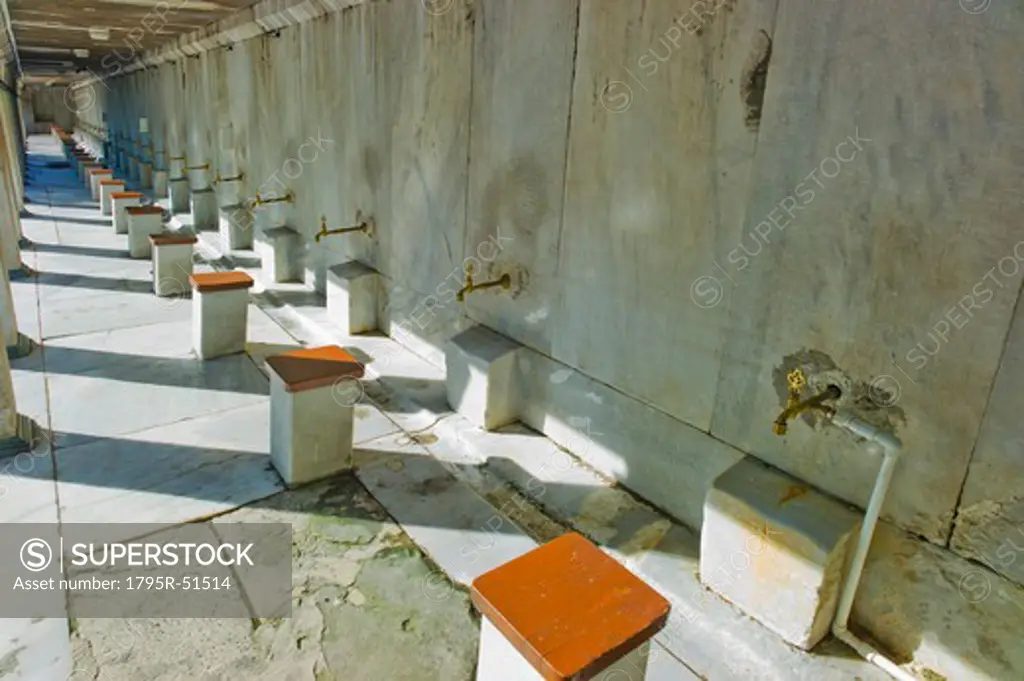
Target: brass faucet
228 179
364 226
259 200
505 282
795 406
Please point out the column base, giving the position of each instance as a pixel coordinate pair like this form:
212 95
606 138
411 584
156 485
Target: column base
205 212
278 248
480 378
235 228
179 193
160 184
352 297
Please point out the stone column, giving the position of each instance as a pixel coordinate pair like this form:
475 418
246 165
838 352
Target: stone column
8 407
10 206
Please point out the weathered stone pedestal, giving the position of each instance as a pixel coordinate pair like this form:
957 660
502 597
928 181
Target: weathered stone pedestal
352 297
565 611
119 203
278 248
97 174
480 379
160 184
313 393
179 192
143 221
146 175
235 228
204 209
85 163
777 549
172 262
220 313
107 189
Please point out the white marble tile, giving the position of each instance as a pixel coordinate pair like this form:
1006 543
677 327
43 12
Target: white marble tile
461 531
172 474
146 395
35 649
104 310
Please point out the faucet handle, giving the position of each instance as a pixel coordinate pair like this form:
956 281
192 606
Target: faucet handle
796 380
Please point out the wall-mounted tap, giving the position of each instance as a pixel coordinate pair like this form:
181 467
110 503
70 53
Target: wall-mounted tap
504 282
364 226
205 166
220 179
259 200
796 406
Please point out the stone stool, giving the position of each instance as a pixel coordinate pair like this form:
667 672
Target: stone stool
160 184
87 165
107 188
236 227
97 175
119 202
172 262
143 221
480 378
352 297
179 193
146 174
278 248
205 213
776 549
565 611
220 313
313 393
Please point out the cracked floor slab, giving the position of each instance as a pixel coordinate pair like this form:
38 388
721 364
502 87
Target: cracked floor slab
366 606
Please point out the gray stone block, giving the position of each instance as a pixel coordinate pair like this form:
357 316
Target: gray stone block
777 549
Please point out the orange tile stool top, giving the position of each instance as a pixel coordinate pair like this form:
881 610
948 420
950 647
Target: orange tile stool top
565 611
313 392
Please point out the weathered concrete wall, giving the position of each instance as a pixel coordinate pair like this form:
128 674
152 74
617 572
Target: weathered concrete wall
48 106
695 199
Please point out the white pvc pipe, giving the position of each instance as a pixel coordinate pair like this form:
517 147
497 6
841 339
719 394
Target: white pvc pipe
890 447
